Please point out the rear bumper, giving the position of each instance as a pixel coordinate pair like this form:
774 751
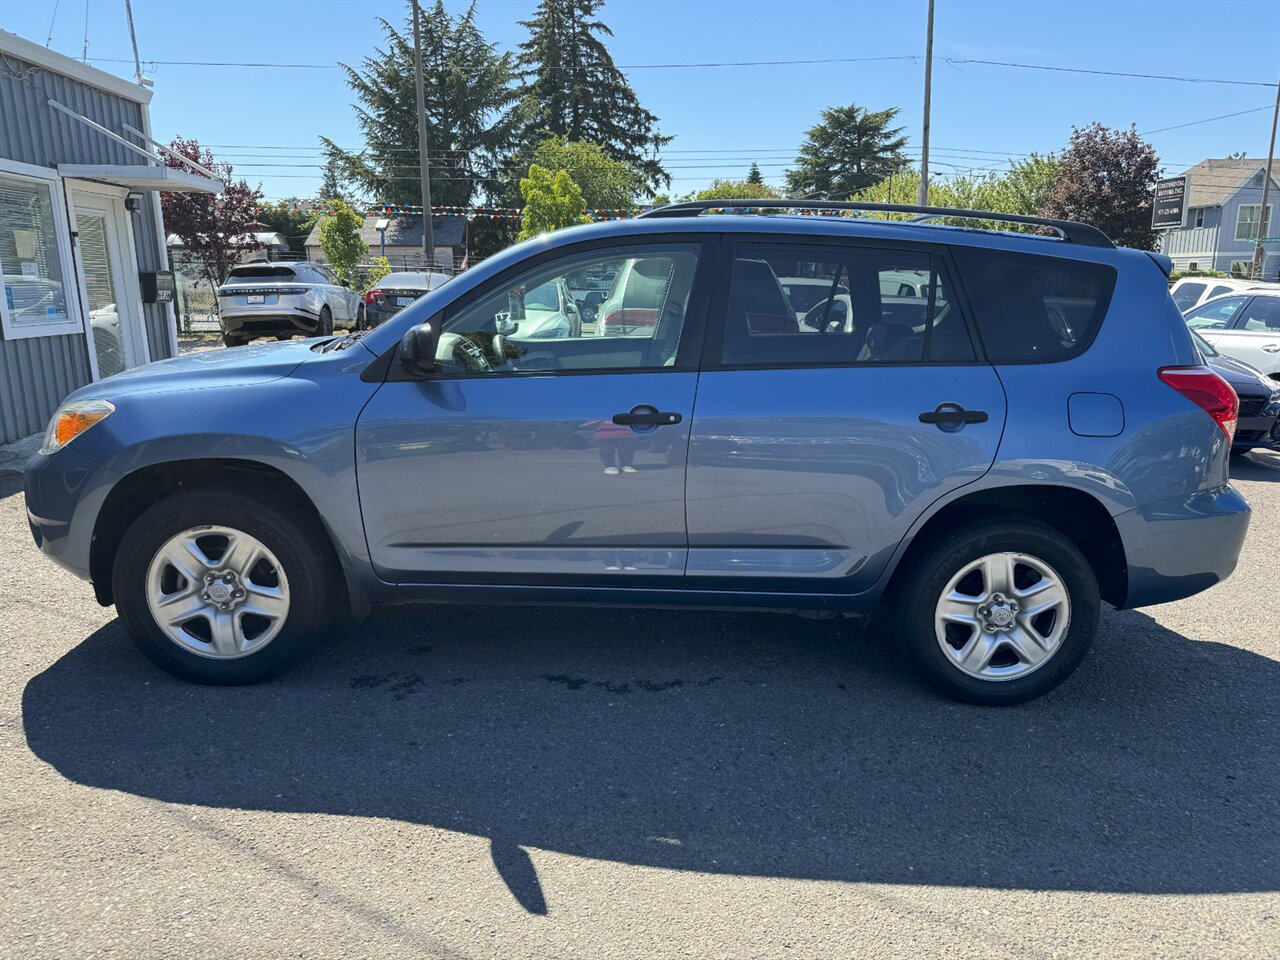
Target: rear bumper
375 314
1179 547
255 323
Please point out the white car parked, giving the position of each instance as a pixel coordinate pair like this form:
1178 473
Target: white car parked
284 300
1244 326
1189 292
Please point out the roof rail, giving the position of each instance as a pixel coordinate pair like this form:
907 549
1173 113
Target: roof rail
1081 233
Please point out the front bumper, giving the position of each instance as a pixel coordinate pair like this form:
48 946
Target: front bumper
64 493
1179 547
1259 431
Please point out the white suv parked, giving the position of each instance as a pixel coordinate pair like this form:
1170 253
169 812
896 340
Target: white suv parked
283 300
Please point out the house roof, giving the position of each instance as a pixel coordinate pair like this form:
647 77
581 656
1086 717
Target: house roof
1211 182
19 47
404 232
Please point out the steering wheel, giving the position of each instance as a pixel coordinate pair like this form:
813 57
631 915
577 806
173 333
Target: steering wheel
470 354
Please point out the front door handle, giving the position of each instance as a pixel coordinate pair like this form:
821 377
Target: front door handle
1272 348
646 416
953 415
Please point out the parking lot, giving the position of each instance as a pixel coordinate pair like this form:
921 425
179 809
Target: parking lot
511 782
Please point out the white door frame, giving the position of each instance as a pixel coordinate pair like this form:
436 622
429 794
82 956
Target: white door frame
83 197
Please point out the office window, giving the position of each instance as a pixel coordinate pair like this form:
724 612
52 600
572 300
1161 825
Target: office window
36 270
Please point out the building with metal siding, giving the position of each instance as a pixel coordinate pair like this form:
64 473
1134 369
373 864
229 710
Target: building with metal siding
79 221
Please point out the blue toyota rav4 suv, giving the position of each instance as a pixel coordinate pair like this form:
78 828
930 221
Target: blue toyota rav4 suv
987 433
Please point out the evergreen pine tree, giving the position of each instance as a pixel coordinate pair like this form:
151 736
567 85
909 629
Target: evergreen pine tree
470 94
574 91
755 176
850 150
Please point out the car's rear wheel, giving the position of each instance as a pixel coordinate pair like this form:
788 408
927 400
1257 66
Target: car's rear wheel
997 611
232 340
360 317
324 326
218 587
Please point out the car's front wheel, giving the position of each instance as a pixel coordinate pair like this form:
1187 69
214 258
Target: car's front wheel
217 587
997 611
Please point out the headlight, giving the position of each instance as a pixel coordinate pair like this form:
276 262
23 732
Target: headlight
73 419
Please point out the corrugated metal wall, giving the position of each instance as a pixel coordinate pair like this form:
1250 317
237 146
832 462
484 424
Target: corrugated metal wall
36 373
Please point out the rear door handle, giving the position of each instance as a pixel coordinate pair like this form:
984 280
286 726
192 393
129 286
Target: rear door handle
952 414
646 416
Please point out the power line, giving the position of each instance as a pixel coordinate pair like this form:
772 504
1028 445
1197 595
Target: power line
954 61
1193 123
1110 73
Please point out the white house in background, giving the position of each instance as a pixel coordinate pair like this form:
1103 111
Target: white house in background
403 243
1222 213
271 245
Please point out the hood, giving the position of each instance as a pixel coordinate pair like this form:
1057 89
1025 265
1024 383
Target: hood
233 366
1242 376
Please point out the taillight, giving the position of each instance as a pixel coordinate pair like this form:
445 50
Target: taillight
373 296
1208 391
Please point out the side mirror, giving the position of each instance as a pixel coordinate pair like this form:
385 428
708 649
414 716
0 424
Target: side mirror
418 349
345 283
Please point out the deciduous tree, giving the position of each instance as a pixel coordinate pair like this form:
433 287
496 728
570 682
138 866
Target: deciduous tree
551 201
606 183
340 239
737 190
216 231
1108 178
851 149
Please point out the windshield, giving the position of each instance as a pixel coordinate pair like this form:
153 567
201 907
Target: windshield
544 297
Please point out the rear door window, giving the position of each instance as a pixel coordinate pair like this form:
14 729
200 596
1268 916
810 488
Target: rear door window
1031 308
832 305
1187 294
1262 315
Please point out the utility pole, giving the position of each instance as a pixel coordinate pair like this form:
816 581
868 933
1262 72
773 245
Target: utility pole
137 64
428 236
1259 255
922 198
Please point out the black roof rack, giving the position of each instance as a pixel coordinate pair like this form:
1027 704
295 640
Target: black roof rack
1071 231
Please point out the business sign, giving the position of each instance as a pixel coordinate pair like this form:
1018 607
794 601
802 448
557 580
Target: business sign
1168 210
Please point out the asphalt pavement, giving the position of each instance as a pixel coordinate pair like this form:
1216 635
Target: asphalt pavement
564 782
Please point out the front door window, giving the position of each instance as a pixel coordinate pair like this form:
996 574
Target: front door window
535 323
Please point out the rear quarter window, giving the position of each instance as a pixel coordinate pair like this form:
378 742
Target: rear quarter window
1031 308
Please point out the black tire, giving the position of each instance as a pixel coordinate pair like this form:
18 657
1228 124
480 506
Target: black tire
231 340
297 542
915 596
324 326
361 317
284 336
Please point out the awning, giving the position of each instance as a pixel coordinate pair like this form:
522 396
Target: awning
139 177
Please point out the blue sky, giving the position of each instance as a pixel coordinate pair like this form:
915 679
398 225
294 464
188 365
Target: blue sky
266 121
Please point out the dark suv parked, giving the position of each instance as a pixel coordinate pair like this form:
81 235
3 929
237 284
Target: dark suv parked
986 432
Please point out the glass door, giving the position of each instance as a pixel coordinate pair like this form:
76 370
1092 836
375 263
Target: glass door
111 299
